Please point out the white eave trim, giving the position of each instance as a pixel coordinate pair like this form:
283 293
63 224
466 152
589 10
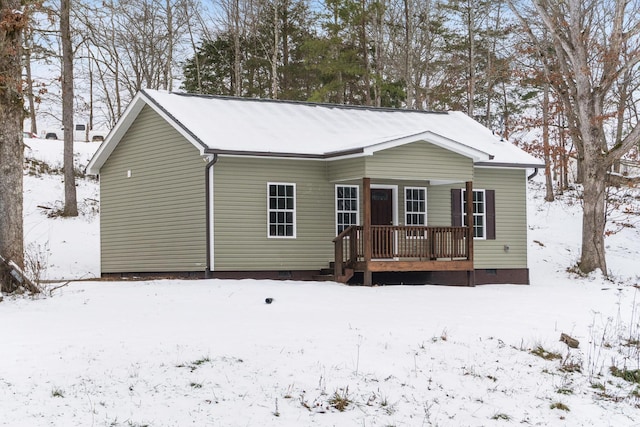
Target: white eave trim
507 165
435 139
109 144
122 126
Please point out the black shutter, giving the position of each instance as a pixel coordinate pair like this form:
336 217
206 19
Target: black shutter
490 202
456 207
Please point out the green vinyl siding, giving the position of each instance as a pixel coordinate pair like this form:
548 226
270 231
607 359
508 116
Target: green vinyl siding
240 215
511 216
347 169
417 161
439 205
511 219
153 221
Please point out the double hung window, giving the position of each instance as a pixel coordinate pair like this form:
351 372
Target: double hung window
347 209
479 213
415 200
281 209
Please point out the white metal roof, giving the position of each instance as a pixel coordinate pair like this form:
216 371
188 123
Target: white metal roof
243 126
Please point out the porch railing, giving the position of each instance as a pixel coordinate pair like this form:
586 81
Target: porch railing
401 242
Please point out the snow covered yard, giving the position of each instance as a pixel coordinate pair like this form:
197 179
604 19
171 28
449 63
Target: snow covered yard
213 353
68 247
173 353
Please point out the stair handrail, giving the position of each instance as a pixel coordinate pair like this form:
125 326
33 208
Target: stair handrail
338 241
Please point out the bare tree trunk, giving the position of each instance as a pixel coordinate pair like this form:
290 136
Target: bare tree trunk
471 70
117 91
364 14
285 46
29 81
545 144
192 39
506 116
408 58
91 116
70 201
237 65
12 22
378 52
594 213
579 169
622 105
168 75
490 84
564 155
274 56
30 96
425 101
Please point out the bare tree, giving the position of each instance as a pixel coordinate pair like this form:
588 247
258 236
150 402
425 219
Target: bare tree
192 40
274 55
132 45
70 200
595 44
378 37
31 97
408 12
545 144
408 47
428 49
470 20
40 46
12 23
232 20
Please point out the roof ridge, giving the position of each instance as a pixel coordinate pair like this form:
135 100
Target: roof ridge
307 103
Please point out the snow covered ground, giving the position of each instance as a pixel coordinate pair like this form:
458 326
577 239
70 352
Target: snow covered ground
212 353
69 247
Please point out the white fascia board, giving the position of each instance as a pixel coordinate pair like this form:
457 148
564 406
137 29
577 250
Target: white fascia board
109 144
510 166
130 114
272 157
348 156
180 127
435 139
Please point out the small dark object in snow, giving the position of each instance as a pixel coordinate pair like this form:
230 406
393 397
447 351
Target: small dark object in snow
571 342
268 300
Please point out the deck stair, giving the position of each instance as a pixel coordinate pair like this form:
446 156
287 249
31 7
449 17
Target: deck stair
327 275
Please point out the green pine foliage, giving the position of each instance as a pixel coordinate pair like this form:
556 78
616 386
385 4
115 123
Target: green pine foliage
358 52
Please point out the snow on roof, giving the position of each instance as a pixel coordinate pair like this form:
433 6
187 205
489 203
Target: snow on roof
226 125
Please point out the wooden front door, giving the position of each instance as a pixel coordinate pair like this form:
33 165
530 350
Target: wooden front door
382 214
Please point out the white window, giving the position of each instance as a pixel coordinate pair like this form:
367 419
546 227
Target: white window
281 209
479 213
415 208
415 200
347 207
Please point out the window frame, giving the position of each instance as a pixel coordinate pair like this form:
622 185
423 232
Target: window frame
337 212
407 212
292 211
482 215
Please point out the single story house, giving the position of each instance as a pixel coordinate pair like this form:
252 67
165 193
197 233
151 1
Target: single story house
227 187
